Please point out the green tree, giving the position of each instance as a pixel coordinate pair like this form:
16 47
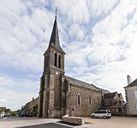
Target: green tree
7 110
13 113
18 112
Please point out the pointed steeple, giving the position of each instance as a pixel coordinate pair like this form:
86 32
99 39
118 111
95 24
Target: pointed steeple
54 40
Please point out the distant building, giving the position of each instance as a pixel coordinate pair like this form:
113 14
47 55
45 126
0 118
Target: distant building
131 98
4 111
2 114
31 108
115 103
2 108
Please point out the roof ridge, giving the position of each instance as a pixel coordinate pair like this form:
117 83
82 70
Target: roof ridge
82 83
134 83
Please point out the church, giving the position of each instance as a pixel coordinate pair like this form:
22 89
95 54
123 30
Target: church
59 94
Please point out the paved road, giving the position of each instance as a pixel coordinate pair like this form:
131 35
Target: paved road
114 122
21 122
35 123
48 125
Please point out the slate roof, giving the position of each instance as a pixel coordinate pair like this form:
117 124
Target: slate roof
134 83
103 90
109 95
54 39
33 100
81 83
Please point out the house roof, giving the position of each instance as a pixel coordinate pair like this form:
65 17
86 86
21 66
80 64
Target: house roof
109 95
103 90
134 83
81 83
33 100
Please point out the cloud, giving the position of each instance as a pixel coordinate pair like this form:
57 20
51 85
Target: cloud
77 13
15 93
24 37
15 100
112 54
75 32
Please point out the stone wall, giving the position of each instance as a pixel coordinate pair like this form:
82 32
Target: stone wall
73 120
86 107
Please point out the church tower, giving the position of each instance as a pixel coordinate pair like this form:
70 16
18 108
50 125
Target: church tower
51 80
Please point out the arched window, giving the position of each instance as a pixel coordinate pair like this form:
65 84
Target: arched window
90 101
55 60
59 61
78 99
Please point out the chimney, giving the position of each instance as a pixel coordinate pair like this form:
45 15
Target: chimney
32 98
128 79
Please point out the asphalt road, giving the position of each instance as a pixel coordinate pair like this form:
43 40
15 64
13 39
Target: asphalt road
113 122
28 123
49 125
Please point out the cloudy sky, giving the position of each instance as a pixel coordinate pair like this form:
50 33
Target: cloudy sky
98 36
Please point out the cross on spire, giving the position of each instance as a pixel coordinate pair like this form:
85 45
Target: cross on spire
56 12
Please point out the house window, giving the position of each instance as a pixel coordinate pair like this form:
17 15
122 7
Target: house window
126 91
59 61
78 99
90 101
55 60
120 110
136 93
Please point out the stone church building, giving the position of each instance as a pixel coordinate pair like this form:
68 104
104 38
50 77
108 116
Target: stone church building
60 94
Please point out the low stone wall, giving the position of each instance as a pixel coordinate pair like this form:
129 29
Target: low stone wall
73 120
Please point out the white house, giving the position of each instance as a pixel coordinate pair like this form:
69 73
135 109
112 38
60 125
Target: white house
2 114
131 98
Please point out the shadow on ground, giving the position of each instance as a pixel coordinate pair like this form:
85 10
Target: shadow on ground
48 125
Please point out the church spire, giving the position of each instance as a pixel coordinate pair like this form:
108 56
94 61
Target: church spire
54 39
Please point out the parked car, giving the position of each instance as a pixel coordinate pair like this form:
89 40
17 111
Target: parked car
101 114
23 114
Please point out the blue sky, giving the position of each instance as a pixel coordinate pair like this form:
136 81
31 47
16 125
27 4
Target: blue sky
98 37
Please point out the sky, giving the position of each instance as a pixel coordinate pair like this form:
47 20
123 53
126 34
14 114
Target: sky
99 38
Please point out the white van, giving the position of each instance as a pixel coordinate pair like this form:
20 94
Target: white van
101 114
